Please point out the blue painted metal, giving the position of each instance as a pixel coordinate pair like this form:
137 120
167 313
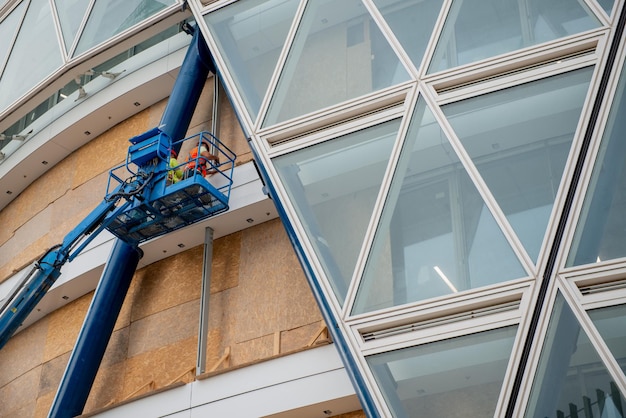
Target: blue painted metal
138 206
165 208
197 65
332 322
97 328
24 297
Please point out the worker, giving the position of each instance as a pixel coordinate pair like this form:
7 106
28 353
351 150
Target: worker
175 174
202 161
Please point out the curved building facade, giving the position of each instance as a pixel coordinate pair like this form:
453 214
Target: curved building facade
425 221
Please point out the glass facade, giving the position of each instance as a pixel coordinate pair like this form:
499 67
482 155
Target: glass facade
435 208
45 40
429 380
450 173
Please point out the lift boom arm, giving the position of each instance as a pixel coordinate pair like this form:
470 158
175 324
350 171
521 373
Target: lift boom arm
140 205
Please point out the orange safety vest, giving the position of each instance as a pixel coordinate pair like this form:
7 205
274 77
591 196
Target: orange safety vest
191 165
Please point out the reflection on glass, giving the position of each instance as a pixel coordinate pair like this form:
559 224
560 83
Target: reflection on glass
607 5
475 30
333 187
7 31
412 22
610 324
436 236
251 35
459 377
108 18
519 139
71 13
601 228
35 55
571 378
338 54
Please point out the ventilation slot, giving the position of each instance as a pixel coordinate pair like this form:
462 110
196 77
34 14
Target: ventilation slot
604 287
421 325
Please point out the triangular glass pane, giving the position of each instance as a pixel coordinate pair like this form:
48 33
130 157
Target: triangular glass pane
71 13
610 324
459 377
250 35
7 31
338 54
571 377
110 17
475 30
333 187
601 229
607 5
36 54
412 22
519 139
436 236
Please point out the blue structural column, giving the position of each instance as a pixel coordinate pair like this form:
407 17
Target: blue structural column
96 331
188 86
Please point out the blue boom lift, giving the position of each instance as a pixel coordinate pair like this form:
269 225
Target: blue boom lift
140 204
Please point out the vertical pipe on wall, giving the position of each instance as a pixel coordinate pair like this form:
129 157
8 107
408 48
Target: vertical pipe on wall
215 115
205 293
96 331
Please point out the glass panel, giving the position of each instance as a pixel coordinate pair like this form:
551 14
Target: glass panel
250 36
607 5
610 324
601 229
571 378
412 22
110 17
478 30
7 31
519 139
338 54
35 55
459 377
436 236
333 186
71 13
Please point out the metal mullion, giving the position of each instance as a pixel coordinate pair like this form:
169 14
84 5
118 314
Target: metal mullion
59 31
527 380
515 79
81 28
299 230
18 26
437 334
598 11
115 40
434 37
441 332
543 290
322 291
569 292
281 64
389 35
429 53
383 198
564 52
233 92
481 186
591 161
334 131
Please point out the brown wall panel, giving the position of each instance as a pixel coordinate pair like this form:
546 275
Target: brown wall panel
63 327
167 283
259 296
